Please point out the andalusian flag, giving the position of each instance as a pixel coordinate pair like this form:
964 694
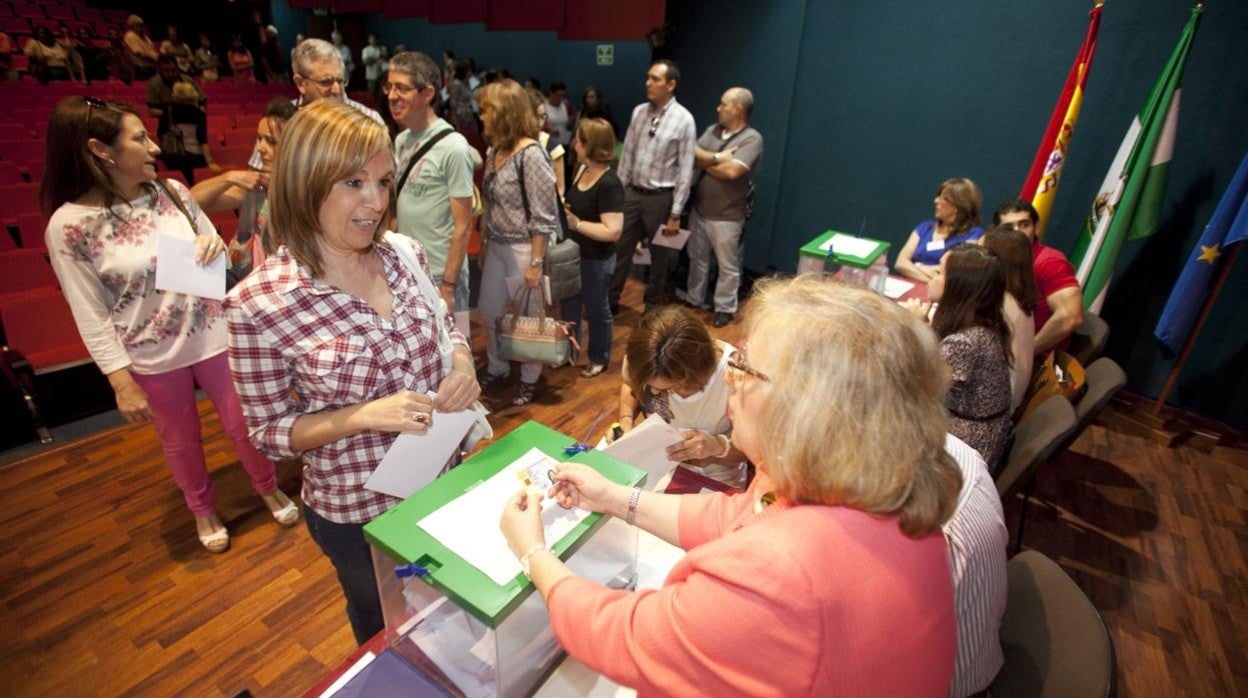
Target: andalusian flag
1128 204
1228 226
1046 169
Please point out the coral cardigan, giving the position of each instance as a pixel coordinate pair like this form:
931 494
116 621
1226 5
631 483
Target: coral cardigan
796 600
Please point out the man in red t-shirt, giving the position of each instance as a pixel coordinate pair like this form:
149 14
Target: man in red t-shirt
1059 309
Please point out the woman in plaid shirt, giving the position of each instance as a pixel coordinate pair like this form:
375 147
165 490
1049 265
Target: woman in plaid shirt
332 346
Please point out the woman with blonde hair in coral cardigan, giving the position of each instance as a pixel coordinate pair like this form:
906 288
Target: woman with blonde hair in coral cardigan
829 574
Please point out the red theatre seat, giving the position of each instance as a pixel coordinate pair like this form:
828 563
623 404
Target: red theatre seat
31 227
41 327
16 199
23 271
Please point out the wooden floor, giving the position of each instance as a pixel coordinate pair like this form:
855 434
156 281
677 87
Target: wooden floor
104 590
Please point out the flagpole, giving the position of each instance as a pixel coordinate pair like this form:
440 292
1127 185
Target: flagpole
1172 380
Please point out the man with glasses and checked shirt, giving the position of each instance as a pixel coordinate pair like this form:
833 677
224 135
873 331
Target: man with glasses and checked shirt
656 168
319 73
433 178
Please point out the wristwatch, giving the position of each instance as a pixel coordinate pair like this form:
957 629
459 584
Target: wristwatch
536 262
715 157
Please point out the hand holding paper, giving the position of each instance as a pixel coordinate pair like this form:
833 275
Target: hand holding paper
178 272
675 242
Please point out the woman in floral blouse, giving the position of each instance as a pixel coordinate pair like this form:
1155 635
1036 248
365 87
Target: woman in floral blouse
154 346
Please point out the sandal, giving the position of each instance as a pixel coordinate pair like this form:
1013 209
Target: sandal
285 515
593 370
528 391
216 542
493 382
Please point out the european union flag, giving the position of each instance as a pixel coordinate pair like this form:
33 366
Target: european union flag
1228 226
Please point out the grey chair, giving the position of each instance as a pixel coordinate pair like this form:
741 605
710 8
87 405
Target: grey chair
1037 439
1054 640
1102 380
1087 342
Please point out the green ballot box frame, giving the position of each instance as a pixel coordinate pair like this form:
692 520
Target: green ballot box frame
811 249
397 534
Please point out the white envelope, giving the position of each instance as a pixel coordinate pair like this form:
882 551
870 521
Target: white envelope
675 242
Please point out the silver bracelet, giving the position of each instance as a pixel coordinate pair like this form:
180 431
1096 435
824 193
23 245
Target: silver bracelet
727 442
631 517
524 559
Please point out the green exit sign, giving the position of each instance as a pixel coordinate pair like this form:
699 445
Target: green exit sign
606 54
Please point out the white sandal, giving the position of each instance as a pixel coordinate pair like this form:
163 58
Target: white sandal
216 542
286 516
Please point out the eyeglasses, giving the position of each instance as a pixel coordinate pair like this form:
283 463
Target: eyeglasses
654 125
737 362
327 83
92 103
399 89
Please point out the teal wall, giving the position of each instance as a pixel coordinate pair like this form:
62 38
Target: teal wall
867 105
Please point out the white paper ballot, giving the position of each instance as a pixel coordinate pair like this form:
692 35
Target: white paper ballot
468 525
896 288
414 460
849 245
645 446
176 270
675 242
642 256
512 284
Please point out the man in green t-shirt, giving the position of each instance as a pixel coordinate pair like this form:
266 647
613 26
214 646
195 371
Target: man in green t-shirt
435 202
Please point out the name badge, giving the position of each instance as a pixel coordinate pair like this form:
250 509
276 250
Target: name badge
935 245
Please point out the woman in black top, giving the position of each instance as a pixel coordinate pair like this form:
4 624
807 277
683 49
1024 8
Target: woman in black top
595 211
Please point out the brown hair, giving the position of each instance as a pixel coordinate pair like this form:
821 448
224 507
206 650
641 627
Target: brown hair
854 412
513 116
324 143
1014 250
669 342
974 292
72 170
965 196
598 138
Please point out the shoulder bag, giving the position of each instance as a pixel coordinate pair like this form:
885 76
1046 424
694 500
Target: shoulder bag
402 246
563 255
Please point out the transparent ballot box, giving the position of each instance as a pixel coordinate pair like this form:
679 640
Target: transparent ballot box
453 620
851 259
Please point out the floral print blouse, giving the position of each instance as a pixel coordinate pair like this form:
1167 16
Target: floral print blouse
106 263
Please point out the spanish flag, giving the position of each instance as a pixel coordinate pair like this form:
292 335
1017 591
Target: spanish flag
1041 185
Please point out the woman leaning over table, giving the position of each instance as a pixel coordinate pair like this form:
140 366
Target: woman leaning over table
515 243
153 345
335 316
829 575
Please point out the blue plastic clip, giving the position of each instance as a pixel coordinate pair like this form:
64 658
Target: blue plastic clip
408 571
575 449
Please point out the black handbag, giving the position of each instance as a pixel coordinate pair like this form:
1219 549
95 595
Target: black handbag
563 257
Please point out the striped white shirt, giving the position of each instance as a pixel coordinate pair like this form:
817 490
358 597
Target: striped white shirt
977 539
658 151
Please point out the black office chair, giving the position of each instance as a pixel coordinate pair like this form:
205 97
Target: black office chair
1037 439
1054 640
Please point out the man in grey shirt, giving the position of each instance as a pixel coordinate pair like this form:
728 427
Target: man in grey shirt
319 73
435 201
728 153
656 168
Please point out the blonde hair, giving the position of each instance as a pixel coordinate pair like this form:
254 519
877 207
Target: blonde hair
513 116
598 138
324 143
855 411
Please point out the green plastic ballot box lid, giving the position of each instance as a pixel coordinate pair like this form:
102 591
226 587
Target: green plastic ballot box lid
812 249
396 533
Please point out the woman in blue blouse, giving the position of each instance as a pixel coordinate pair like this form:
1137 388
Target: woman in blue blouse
957 220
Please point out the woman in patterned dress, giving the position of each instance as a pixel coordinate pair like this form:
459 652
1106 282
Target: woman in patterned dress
107 210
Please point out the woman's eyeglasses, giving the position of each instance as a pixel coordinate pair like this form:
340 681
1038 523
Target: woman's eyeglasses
92 103
737 362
